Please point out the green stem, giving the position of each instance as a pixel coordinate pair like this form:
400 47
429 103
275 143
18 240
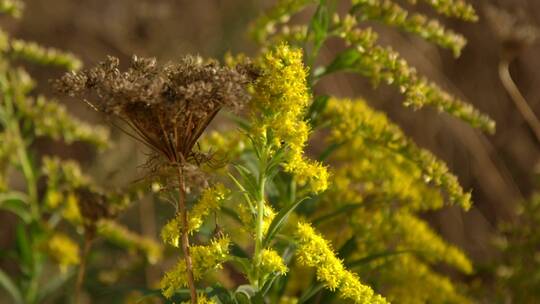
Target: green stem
260 217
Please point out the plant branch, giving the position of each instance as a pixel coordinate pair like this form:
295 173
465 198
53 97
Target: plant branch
82 268
184 234
518 99
260 215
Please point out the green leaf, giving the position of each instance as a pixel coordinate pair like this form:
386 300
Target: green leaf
310 292
316 108
244 294
10 287
319 26
249 181
345 60
274 163
17 203
23 249
279 220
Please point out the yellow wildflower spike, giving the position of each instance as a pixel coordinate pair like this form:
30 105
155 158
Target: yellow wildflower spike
314 251
280 98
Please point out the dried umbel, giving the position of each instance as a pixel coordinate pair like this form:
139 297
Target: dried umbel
167 107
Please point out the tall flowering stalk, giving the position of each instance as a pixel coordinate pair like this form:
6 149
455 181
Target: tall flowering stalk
167 108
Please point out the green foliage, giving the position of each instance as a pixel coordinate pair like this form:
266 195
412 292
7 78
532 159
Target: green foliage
274 224
517 275
50 222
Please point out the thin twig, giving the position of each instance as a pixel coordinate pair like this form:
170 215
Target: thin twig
184 234
518 99
82 268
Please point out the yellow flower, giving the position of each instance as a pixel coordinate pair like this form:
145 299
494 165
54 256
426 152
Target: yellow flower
410 281
121 236
63 250
71 209
210 200
314 251
204 259
202 299
370 134
271 262
280 100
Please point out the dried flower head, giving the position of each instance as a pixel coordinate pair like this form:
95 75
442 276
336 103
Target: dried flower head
167 107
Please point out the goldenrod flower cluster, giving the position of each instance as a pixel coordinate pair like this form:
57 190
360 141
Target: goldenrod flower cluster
382 64
49 118
63 250
452 8
409 281
211 200
281 97
314 251
392 14
271 262
204 259
416 233
361 127
12 7
63 177
35 53
121 236
202 299
224 145
280 13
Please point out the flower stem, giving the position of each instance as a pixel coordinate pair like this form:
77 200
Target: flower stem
260 217
82 268
184 234
519 100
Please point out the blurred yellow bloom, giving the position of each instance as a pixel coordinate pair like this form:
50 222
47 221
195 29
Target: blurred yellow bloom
63 250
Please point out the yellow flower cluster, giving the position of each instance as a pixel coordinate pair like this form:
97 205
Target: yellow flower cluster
314 251
392 14
52 119
63 250
202 299
363 129
271 262
121 236
223 145
38 54
280 13
204 259
211 200
12 7
409 281
63 177
281 97
415 233
452 8
382 64
376 176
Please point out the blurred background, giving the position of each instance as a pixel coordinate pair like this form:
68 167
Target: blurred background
501 169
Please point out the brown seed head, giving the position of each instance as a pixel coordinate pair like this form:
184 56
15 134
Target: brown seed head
167 107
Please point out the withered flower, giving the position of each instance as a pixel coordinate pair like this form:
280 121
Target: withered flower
167 107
